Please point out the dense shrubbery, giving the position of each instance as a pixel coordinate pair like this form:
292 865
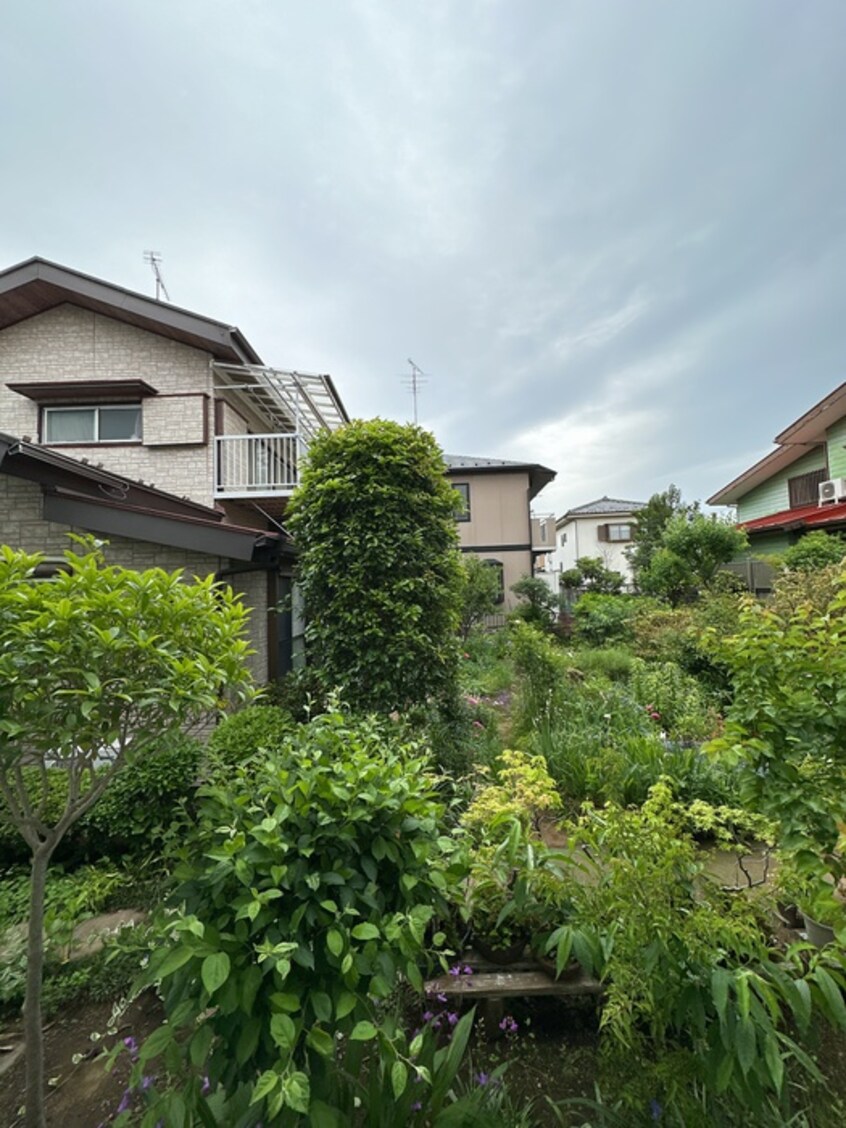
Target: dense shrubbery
316 872
379 566
257 728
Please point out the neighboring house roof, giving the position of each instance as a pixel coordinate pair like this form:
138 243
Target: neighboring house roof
36 285
602 507
77 493
807 432
539 476
807 516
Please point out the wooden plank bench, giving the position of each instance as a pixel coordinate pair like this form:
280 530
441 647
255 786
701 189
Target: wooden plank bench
491 985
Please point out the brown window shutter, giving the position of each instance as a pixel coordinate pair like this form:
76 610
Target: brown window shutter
602 532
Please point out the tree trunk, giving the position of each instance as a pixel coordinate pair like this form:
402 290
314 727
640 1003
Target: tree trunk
32 1005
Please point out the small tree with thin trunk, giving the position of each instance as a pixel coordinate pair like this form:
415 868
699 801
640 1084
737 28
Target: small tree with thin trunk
97 665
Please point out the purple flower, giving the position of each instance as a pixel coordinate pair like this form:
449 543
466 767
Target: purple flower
130 1043
452 1018
124 1101
655 1109
428 1016
482 1079
206 1086
467 970
441 997
416 1106
509 1025
455 970
146 1082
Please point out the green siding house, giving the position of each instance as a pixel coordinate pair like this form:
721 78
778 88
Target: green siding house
799 486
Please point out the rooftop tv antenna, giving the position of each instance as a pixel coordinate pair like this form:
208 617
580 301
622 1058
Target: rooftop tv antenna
154 258
417 377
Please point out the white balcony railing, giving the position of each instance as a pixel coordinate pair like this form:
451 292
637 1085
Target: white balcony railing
257 465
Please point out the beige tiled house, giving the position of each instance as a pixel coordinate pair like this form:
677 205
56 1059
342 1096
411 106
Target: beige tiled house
496 524
158 429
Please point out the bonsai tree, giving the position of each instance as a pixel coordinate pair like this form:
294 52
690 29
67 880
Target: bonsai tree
374 519
97 665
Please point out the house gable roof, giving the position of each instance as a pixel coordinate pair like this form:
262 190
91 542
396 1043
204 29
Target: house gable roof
539 476
36 285
805 433
602 507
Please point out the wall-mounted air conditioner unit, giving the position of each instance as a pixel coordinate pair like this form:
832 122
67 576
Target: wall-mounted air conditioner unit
832 490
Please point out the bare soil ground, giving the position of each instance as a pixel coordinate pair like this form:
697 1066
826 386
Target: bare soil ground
81 1095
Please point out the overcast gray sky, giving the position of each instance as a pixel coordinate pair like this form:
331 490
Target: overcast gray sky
611 232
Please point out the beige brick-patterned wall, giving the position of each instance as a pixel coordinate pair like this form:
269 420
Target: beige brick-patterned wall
22 526
69 343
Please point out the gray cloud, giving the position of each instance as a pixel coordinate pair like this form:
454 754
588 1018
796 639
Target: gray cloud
612 234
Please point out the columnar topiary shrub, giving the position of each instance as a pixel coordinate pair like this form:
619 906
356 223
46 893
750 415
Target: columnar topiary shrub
316 870
374 519
97 666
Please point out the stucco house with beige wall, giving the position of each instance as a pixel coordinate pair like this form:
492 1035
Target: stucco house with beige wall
496 522
155 428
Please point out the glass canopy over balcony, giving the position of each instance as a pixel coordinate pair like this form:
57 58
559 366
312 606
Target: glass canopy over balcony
294 406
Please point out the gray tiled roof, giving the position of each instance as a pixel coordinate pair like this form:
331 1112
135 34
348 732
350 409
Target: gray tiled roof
605 505
467 462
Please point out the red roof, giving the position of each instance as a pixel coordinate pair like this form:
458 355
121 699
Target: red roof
806 516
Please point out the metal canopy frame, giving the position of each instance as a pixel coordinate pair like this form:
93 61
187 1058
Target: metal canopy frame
301 403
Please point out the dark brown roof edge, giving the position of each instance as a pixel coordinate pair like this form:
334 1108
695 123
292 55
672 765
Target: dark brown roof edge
86 286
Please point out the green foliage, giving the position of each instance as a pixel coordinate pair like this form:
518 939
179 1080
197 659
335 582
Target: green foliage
692 548
787 720
613 663
480 592
314 876
524 792
541 677
301 693
540 605
814 551
691 986
652 520
591 574
602 619
379 566
137 811
247 732
52 790
673 699
96 665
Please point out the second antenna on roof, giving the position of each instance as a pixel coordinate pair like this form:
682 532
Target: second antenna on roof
154 258
417 377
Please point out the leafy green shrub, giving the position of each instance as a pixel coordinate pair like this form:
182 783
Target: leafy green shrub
137 811
541 678
240 735
300 693
613 663
815 551
673 699
539 606
602 619
313 878
461 737
486 668
379 566
692 989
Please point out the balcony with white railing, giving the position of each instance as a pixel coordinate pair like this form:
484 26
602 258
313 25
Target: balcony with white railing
253 466
294 408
